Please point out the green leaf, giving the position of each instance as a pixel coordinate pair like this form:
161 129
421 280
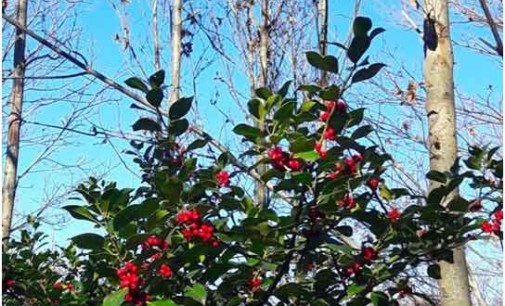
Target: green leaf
307 106
180 108
355 117
197 144
330 93
125 216
362 132
115 298
308 156
157 78
302 144
178 127
367 73
434 271
89 241
358 47
345 230
379 299
246 130
146 124
263 93
361 26
154 97
80 212
437 176
459 204
284 89
197 293
354 289
326 63
285 111
136 83
256 108
376 32
162 303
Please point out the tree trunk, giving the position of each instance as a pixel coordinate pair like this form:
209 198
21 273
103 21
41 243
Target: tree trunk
156 39
176 50
322 28
438 73
261 192
11 159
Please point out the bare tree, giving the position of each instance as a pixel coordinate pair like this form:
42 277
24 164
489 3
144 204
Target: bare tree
11 162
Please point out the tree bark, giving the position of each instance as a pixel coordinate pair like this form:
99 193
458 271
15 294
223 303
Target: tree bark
261 192
440 109
11 159
176 50
322 28
156 39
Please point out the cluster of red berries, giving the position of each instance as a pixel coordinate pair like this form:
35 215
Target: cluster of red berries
223 178
282 159
128 277
329 133
494 225
338 106
156 243
319 147
63 286
194 227
255 283
394 215
353 269
347 202
349 167
367 255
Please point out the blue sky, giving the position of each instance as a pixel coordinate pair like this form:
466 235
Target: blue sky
473 74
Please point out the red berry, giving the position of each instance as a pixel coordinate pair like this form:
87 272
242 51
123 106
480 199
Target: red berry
330 134
58 285
357 157
165 271
368 254
294 165
255 283
333 175
487 227
394 215
330 105
373 183
9 283
498 215
324 116
341 107
223 179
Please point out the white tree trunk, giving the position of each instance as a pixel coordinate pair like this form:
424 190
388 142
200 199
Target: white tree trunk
438 74
176 50
11 159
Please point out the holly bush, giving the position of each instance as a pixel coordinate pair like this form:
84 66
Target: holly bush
331 231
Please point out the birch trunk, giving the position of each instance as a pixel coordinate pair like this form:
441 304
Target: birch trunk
322 28
11 159
176 50
440 109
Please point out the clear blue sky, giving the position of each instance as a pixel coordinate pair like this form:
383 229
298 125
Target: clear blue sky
473 73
